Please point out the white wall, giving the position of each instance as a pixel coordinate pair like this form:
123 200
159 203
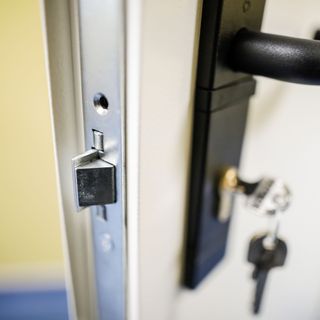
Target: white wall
282 140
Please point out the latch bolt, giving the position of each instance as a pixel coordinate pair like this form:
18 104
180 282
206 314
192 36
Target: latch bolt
94 177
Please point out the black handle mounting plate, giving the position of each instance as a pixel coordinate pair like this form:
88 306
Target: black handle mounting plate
220 113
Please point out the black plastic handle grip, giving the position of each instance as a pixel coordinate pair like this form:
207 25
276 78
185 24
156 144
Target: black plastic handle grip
279 57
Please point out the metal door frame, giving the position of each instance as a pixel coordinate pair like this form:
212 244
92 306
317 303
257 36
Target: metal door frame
86 51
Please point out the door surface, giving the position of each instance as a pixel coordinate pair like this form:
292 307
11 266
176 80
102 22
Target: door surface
281 140
160 52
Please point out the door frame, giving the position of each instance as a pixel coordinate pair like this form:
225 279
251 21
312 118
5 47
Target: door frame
99 284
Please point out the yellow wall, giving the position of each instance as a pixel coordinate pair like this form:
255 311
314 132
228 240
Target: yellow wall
29 218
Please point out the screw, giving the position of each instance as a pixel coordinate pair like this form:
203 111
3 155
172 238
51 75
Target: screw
106 242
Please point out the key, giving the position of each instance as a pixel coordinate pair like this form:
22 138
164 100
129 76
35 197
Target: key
265 256
269 197
266 196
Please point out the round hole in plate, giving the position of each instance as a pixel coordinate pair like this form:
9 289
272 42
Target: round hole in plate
101 103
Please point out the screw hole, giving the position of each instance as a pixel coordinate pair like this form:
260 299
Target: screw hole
246 6
101 103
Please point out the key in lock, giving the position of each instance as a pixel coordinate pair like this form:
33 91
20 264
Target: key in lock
266 196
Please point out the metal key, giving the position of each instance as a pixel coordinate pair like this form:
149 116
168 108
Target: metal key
266 196
270 196
264 257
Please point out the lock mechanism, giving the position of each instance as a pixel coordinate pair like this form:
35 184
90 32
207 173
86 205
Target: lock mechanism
231 50
94 177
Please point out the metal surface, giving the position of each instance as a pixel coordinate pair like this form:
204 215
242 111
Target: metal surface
98 140
221 20
228 187
94 178
85 57
217 141
267 196
102 70
95 181
221 106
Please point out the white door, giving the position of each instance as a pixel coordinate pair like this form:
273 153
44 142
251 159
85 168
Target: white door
151 52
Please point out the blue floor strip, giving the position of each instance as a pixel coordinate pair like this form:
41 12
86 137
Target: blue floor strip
34 305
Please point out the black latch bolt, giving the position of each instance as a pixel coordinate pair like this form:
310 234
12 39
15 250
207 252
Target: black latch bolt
278 57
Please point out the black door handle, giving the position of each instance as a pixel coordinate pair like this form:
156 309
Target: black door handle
279 57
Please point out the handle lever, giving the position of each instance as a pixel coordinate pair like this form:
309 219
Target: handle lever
279 57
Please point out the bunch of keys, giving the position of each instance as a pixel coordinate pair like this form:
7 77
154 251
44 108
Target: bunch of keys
267 197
